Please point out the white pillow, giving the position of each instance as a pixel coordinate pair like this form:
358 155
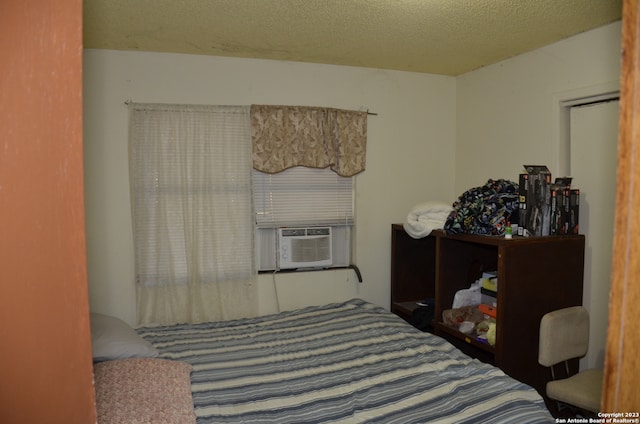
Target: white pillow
112 338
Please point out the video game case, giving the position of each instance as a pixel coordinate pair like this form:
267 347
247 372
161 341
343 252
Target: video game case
558 214
563 200
574 211
523 183
555 212
538 200
566 197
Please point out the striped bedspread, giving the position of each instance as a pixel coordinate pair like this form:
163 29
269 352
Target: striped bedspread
351 362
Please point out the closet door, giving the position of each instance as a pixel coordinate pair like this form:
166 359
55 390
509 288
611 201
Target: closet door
594 141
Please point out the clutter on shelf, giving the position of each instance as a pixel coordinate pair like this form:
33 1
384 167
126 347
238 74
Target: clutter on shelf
473 311
534 206
426 217
547 208
485 210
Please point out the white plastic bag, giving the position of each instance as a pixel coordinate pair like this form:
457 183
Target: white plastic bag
468 297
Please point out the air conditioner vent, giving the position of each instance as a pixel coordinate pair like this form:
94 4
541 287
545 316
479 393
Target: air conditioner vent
304 247
268 245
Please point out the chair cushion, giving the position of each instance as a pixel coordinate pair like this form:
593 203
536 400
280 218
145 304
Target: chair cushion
583 390
564 334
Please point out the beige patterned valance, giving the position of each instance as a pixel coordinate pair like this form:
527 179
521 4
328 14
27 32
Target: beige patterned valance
288 136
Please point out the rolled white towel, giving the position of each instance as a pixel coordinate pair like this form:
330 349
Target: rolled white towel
426 217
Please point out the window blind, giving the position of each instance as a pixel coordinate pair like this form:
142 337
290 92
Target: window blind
302 196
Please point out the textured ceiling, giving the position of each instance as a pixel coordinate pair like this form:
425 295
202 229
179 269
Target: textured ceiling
448 37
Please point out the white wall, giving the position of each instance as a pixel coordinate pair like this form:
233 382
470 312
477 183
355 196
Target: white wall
410 157
509 114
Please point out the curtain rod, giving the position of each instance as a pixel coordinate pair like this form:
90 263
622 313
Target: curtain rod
129 101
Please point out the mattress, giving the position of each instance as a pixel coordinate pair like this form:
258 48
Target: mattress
351 362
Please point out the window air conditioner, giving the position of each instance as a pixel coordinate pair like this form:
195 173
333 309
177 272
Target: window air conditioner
304 247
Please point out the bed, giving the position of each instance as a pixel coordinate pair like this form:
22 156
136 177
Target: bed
351 362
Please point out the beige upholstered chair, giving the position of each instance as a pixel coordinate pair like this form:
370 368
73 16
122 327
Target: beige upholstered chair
564 335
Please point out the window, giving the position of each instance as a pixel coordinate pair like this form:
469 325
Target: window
192 215
302 197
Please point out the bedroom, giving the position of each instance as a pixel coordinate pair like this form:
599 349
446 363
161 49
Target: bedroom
422 107
427 125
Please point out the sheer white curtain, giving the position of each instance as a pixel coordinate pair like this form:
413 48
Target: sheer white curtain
190 174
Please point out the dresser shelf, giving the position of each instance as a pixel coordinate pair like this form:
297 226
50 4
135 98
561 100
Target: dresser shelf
536 275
